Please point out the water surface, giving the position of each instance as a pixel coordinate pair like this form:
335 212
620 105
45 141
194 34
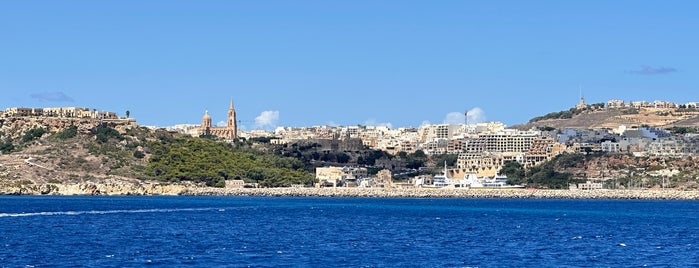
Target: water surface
358 232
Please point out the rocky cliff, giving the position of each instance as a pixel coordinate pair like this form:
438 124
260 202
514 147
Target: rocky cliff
89 188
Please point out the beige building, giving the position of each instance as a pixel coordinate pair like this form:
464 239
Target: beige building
338 176
235 184
541 149
384 179
21 111
485 163
513 141
616 104
589 186
61 112
582 104
329 176
229 132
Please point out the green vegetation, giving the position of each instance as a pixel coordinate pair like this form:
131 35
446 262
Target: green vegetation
212 162
546 174
449 158
33 134
557 115
682 130
103 133
514 171
631 111
416 160
369 158
67 133
139 154
6 146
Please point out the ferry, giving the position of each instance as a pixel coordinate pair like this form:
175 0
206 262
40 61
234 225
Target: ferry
496 182
470 181
442 181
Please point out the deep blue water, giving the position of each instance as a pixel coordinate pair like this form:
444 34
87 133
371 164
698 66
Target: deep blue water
354 232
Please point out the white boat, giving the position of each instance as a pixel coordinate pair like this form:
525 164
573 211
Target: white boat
496 182
472 181
442 180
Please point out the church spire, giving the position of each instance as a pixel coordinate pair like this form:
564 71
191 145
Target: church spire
232 126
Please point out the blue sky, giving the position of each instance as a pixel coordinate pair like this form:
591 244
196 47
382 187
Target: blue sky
304 63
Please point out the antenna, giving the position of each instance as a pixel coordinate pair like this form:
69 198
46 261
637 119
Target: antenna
466 117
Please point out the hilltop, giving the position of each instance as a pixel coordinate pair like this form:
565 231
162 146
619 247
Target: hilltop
612 118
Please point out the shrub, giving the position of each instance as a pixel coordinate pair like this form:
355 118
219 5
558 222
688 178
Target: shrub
33 134
139 154
67 133
104 132
6 146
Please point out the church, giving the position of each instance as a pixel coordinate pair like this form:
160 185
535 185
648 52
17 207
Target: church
229 132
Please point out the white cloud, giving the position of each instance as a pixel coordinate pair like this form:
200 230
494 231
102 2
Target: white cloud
475 115
372 122
267 119
425 123
52 96
221 124
454 118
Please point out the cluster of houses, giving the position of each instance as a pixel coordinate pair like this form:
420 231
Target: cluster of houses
483 149
61 112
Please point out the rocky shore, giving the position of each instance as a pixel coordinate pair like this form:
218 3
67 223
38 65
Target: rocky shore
451 193
125 188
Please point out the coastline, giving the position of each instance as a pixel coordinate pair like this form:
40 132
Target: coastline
155 189
451 193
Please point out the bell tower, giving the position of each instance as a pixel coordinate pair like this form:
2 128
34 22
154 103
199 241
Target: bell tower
205 124
232 127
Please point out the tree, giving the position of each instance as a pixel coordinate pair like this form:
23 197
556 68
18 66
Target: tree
449 158
33 134
514 172
67 133
6 146
103 133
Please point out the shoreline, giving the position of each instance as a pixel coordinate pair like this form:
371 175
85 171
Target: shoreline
159 189
650 194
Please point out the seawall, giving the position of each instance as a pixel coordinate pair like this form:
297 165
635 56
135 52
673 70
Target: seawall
128 188
451 193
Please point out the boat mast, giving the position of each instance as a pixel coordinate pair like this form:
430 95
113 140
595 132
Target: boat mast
445 169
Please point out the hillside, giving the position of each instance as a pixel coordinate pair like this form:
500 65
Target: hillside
68 151
613 118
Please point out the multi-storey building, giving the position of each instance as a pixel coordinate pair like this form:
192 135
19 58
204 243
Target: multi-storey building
541 149
508 140
336 176
484 163
616 104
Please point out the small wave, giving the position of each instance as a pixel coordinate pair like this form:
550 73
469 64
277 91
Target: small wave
99 212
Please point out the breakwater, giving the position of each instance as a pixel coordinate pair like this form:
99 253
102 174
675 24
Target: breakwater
450 193
128 188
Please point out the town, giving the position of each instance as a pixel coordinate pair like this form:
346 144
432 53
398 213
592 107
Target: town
481 149
485 148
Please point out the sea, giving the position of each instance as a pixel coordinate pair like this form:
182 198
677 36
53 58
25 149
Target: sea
136 231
